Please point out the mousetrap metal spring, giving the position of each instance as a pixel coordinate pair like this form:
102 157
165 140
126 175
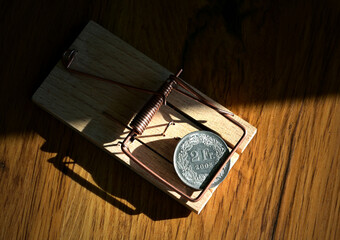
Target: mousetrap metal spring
145 115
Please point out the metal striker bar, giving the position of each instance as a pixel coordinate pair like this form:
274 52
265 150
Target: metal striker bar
204 101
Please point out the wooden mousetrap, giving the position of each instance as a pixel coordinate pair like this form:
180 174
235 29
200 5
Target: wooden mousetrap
102 112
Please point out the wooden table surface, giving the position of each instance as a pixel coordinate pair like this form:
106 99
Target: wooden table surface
274 64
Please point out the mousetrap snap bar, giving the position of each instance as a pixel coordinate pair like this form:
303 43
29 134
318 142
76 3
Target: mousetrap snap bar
138 112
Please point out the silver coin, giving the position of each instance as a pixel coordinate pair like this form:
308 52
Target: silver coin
197 158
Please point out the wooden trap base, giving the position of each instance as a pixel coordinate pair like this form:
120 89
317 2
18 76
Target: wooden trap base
101 111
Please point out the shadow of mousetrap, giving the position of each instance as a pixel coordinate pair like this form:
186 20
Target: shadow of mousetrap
101 91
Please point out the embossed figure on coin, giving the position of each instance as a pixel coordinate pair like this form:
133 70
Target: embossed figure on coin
198 156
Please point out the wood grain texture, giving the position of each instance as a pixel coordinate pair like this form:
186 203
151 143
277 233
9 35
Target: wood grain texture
276 64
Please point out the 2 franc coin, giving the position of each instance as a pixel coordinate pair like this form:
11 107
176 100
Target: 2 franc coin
197 158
